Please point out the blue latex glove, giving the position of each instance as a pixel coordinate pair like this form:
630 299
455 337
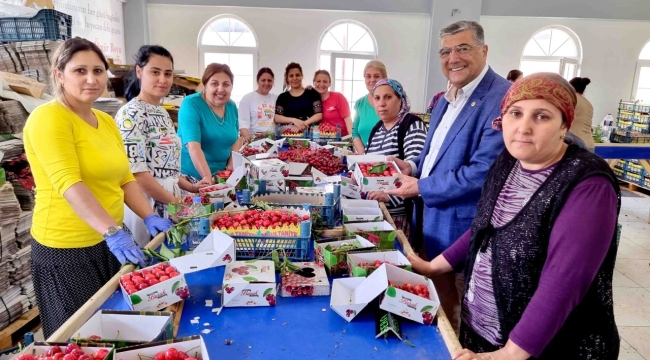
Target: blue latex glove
125 249
156 224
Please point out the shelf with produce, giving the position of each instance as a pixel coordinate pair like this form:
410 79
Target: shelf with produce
633 116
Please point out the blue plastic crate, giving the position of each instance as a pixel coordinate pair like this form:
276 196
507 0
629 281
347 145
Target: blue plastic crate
47 24
330 211
323 140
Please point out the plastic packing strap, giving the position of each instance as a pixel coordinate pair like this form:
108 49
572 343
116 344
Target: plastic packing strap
8 312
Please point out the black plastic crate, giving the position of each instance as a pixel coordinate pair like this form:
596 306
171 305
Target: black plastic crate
47 24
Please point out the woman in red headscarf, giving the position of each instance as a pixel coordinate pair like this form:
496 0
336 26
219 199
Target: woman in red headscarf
539 256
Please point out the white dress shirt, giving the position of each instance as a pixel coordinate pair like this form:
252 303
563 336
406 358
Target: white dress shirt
457 99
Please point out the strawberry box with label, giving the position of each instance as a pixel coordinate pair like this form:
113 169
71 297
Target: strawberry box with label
260 149
227 190
401 292
217 249
154 287
249 283
361 210
189 348
51 351
374 172
323 159
380 233
262 186
269 169
124 328
333 254
309 280
299 175
409 295
278 221
365 263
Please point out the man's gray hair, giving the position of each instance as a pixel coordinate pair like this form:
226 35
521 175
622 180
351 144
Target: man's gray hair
455 28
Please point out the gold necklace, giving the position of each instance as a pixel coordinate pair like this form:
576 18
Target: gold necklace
215 115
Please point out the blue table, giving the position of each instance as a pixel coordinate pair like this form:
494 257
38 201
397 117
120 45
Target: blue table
296 328
623 151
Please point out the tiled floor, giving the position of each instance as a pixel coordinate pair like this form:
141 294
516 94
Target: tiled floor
632 280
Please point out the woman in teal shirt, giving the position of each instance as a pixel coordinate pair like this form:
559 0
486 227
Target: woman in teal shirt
208 126
365 117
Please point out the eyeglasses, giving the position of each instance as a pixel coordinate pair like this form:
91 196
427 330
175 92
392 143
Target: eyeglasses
460 50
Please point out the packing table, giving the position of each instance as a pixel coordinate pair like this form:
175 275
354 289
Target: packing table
296 328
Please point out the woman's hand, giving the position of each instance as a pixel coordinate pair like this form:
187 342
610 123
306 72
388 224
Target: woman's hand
245 136
420 266
297 123
509 352
206 181
379 196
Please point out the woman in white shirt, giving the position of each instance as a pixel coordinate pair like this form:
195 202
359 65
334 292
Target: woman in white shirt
257 109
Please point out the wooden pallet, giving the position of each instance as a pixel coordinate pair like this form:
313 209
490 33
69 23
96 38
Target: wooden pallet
16 329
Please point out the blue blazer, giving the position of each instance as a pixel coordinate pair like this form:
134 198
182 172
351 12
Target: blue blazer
450 192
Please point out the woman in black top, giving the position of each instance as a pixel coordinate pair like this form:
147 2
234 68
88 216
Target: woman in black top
297 106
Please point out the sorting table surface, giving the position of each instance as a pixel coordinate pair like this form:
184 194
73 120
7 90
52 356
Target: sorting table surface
296 328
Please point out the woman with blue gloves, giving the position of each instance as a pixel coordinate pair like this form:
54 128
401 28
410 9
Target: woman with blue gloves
82 181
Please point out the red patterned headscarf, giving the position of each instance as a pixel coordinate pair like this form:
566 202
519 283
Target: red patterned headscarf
543 86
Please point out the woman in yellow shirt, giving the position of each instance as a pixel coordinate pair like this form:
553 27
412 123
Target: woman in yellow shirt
82 181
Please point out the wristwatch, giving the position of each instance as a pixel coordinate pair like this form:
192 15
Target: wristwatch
112 231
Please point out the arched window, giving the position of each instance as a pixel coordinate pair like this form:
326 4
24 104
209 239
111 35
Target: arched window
228 40
642 78
345 48
554 49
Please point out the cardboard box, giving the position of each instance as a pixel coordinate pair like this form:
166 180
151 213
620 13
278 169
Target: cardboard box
373 183
380 233
351 295
193 346
269 169
124 328
355 260
321 190
40 349
334 260
155 297
217 249
306 283
226 192
23 85
361 211
249 283
267 149
269 185
349 188
403 303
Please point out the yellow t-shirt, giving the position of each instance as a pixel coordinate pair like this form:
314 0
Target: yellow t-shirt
62 150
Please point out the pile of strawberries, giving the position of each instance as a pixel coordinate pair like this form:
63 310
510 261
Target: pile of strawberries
224 174
204 199
419 290
248 151
140 280
377 169
377 263
320 159
72 352
258 219
290 132
174 354
327 130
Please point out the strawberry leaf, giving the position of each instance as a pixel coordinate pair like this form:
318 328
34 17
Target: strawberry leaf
409 343
427 308
378 169
249 279
175 286
391 292
268 291
135 299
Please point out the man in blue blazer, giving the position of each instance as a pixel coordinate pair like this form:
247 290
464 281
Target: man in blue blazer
446 179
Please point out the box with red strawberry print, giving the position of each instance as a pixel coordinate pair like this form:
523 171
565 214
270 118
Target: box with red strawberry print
380 233
188 348
260 149
225 191
401 292
124 328
269 169
249 283
374 172
365 263
154 287
60 351
309 280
